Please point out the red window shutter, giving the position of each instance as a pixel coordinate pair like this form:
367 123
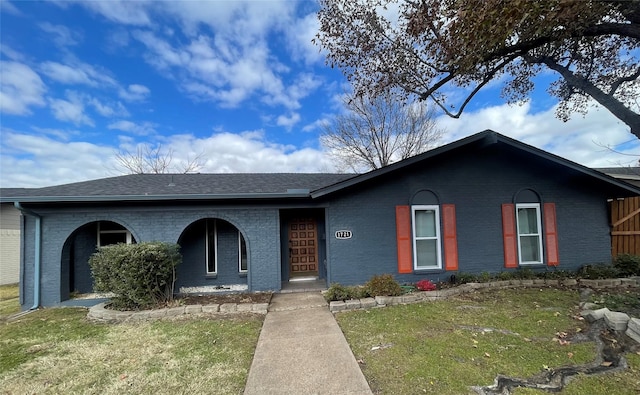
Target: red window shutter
450 237
403 236
509 234
551 234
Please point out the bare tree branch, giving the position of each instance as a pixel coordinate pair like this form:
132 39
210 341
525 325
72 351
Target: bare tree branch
149 159
379 131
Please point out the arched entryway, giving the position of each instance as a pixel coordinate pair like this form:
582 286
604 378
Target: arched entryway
214 257
78 248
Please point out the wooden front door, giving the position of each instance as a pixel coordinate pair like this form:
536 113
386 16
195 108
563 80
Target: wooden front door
303 247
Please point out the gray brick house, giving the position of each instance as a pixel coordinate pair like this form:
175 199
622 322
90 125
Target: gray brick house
483 203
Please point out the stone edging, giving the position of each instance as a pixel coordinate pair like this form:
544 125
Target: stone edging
616 321
100 313
415 297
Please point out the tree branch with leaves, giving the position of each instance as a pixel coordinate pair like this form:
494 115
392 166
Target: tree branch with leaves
428 48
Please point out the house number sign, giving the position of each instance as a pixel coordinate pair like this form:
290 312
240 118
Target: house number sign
343 234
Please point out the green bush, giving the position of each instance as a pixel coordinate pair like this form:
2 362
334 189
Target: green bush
140 275
464 278
627 264
598 271
524 274
505 276
383 285
342 292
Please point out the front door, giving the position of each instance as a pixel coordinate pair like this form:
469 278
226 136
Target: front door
303 247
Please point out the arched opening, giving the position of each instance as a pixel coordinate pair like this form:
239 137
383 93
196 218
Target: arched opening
78 248
214 257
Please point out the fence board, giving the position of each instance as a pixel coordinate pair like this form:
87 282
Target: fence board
625 226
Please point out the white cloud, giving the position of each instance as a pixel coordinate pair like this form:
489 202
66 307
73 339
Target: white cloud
61 35
43 160
246 153
20 89
579 140
77 73
71 110
122 11
299 40
6 6
140 129
288 121
46 161
134 92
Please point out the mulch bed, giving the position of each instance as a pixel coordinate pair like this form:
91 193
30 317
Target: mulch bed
260 297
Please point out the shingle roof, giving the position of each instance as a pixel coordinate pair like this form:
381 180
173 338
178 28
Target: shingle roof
477 141
151 186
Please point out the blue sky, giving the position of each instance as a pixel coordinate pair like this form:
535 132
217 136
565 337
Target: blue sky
239 83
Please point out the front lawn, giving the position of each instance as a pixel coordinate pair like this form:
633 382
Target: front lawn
446 347
9 302
59 351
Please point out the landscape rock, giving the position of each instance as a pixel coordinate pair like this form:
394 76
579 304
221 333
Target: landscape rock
616 321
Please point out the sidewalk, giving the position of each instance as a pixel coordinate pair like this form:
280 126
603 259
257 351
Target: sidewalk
301 350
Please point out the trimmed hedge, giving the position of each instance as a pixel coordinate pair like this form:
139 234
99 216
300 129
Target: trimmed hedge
140 275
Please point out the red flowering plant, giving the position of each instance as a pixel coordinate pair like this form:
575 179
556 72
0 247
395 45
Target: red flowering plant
425 285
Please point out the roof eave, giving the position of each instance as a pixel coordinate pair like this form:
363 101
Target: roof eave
487 137
141 198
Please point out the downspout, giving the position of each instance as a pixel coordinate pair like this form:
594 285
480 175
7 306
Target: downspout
38 262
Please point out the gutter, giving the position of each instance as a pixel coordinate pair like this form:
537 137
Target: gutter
290 194
38 261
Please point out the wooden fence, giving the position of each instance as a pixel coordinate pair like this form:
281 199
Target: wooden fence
625 226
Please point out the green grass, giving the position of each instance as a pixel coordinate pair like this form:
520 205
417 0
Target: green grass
441 347
59 351
9 302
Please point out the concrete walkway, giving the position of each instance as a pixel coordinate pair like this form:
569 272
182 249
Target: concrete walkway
301 350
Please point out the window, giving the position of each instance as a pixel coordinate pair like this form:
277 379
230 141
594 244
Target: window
213 237
426 237
112 233
242 254
529 233
211 246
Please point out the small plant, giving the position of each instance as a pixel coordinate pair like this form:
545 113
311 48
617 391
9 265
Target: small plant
383 285
505 276
464 278
485 277
337 292
425 285
598 271
525 274
627 264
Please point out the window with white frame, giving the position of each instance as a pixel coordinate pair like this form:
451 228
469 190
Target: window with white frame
112 233
426 237
211 246
529 233
242 254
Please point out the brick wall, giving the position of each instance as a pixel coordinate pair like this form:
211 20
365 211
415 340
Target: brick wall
259 226
478 183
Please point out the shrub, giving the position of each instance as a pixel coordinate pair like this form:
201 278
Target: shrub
425 285
627 264
524 274
140 275
505 276
485 277
599 271
464 278
341 292
383 285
